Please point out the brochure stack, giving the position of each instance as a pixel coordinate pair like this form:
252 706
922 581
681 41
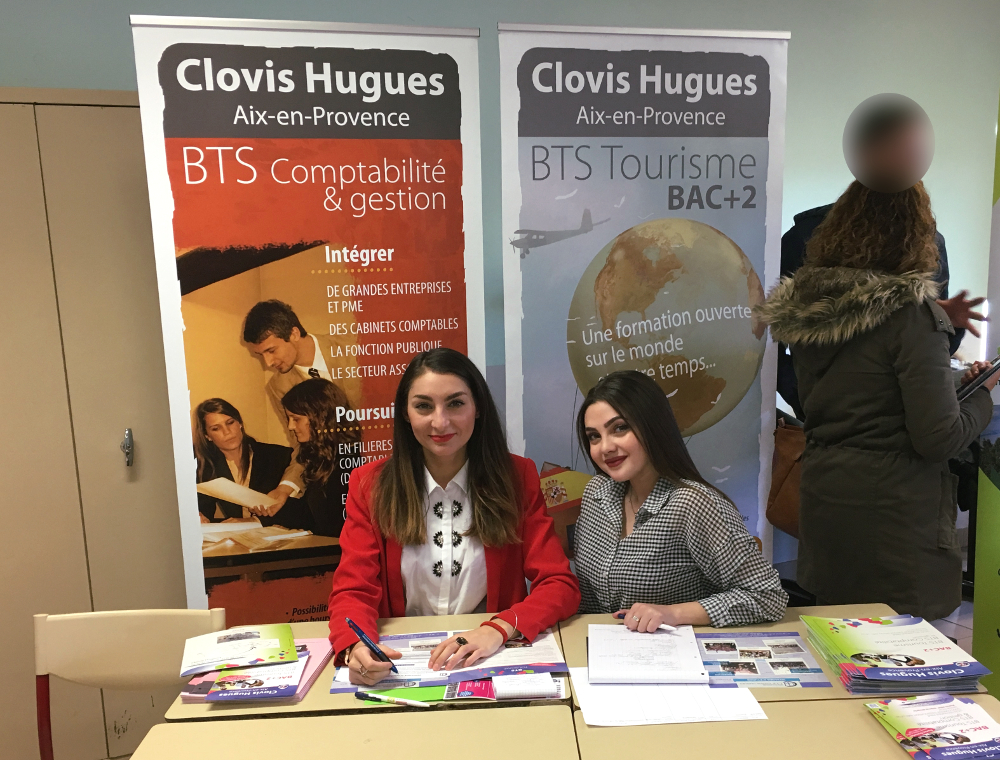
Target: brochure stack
893 656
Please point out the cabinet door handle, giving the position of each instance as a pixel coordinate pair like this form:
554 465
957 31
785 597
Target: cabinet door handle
128 447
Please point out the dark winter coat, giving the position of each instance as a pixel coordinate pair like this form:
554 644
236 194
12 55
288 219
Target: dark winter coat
877 519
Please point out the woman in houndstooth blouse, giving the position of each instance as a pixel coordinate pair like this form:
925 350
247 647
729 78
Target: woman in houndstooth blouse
655 542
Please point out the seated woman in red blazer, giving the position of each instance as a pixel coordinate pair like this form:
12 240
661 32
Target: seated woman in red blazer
451 523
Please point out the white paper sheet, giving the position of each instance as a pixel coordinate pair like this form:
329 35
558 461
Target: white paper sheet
617 655
227 490
526 686
647 704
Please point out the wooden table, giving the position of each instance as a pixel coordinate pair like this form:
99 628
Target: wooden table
318 700
573 633
520 732
817 730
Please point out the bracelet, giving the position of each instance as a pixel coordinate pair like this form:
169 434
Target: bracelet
517 634
496 627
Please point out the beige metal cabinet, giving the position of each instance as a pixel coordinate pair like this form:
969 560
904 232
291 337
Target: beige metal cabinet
83 361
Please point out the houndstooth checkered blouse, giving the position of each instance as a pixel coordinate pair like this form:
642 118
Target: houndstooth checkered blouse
688 544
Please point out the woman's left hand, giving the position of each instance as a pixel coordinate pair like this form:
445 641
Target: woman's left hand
449 654
645 618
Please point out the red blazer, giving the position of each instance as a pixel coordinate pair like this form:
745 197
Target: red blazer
368 583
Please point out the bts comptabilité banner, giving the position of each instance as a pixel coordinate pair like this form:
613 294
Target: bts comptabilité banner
333 168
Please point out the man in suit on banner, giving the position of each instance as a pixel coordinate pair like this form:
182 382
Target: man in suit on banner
273 331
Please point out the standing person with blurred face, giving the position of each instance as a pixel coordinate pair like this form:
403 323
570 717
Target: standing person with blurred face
450 524
870 347
311 408
655 542
889 143
274 332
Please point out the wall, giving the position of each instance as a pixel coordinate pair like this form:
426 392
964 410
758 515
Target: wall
942 54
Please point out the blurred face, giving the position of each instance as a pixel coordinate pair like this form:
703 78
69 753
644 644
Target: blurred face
442 414
613 444
897 159
299 425
224 431
278 355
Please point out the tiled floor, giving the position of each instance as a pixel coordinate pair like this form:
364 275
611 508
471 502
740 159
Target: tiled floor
958 625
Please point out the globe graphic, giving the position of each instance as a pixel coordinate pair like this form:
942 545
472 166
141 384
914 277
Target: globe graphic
671 298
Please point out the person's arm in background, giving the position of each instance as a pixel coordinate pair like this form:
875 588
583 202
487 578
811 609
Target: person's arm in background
938 425
793 252
960 309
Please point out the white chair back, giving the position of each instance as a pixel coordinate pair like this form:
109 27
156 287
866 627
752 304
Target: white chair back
122 649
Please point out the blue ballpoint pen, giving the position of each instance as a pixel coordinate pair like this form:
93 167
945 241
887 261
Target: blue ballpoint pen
370 644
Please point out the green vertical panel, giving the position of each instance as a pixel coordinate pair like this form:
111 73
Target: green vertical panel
986 613
996 167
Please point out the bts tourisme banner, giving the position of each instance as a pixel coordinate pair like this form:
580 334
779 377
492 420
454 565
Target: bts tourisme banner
641 215
316 207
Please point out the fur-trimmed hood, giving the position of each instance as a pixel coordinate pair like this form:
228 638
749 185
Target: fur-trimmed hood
826 306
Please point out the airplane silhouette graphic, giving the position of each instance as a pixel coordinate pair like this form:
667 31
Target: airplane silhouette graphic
537 238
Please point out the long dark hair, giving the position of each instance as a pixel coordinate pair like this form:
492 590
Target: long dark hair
205 451
399 491
888 232
642 404
318 399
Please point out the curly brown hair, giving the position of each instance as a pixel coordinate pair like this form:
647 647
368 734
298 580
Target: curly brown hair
888 232
318 400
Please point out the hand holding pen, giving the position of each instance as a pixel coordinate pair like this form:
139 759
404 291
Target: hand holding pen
368 663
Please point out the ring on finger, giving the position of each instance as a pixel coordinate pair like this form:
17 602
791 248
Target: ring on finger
462 641
635 618
364 671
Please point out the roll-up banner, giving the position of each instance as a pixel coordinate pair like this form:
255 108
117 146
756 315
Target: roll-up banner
316 207
642 174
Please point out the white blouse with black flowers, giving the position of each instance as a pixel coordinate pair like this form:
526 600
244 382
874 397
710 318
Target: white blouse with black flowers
688 544
445 575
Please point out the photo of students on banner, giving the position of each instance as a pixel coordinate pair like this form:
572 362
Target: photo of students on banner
316 205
